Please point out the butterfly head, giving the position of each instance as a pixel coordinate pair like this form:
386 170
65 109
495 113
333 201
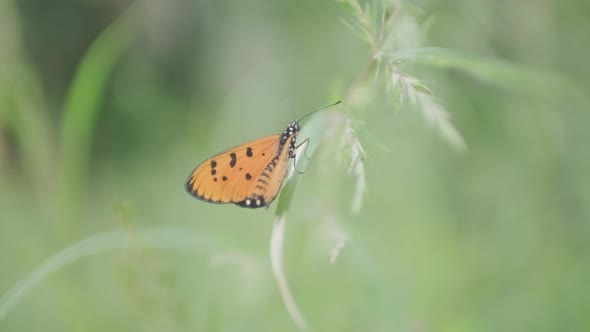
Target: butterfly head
294 127
291 130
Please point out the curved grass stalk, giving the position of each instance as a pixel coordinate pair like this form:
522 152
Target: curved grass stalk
160 238
81 109
491 70
23 109
313 130
276 259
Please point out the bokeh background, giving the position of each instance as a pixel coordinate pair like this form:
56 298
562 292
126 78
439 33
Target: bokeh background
106 106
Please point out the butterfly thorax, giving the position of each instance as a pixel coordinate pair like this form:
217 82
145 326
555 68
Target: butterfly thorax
291 130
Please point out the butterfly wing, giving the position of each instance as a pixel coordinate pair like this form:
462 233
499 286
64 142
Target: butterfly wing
249 175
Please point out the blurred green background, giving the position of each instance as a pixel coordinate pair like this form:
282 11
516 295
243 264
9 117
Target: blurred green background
106 106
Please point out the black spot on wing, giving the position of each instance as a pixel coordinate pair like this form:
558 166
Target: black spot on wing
249 152
248 176
213 163
233 160
213 172
224 178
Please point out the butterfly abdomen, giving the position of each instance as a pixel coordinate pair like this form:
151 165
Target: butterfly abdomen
269 182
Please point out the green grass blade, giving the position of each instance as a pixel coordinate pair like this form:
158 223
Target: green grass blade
81 108
23 110
491 70
160 238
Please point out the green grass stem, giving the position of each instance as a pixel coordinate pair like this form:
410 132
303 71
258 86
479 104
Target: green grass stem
81 111
157 238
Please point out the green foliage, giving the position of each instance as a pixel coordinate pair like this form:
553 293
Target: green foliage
83 101
387 230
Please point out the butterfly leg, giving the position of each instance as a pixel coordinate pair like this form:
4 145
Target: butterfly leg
306 142
295 164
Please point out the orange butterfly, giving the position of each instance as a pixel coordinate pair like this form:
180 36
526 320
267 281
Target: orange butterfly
249 175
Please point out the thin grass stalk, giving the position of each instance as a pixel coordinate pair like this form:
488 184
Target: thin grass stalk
157 238
80 113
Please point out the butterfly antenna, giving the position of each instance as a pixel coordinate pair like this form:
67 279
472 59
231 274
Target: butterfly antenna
319 109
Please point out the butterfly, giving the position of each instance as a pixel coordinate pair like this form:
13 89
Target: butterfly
249 175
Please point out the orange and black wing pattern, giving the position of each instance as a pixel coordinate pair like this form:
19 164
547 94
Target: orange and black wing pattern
249 175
